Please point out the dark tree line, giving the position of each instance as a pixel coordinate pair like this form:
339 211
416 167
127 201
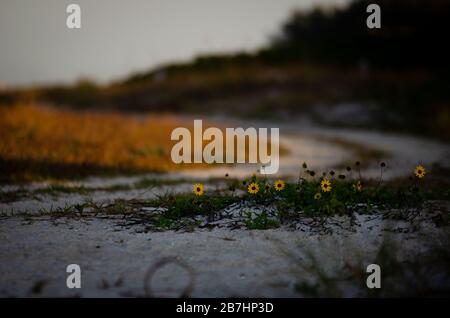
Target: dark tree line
413 33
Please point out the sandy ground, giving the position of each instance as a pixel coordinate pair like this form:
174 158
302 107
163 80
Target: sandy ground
205 263
221 263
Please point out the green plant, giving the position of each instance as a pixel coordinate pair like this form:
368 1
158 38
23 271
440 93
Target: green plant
260 221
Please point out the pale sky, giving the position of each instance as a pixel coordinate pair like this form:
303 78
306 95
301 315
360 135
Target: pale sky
120 37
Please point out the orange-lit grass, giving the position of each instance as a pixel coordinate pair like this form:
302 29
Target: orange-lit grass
39 143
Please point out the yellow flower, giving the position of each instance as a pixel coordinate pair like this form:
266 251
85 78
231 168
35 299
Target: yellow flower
419 171
198 189
253 188
317 196
358 186
325 184
278 185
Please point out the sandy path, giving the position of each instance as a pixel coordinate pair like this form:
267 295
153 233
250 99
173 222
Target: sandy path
114 260
311 143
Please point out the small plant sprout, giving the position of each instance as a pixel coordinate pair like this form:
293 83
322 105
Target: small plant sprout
302 173
382 166
357 186
358 166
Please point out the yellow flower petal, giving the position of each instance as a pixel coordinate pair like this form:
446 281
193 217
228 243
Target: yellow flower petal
325 185
279 185
198 189
253 188
420 171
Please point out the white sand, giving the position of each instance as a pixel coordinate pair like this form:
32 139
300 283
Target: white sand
224 263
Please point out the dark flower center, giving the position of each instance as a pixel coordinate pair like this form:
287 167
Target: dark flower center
198 189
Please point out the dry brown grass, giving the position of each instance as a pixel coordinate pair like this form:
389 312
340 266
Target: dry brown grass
39 142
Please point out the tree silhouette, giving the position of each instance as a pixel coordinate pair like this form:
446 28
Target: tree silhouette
413 33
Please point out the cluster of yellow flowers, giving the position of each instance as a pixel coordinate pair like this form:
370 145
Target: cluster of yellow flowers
253 188
325 185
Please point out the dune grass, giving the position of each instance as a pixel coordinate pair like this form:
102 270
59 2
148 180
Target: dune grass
40 143
44 143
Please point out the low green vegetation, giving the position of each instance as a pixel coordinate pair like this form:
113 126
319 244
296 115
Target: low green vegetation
187 205
333 193
261 221
263 203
